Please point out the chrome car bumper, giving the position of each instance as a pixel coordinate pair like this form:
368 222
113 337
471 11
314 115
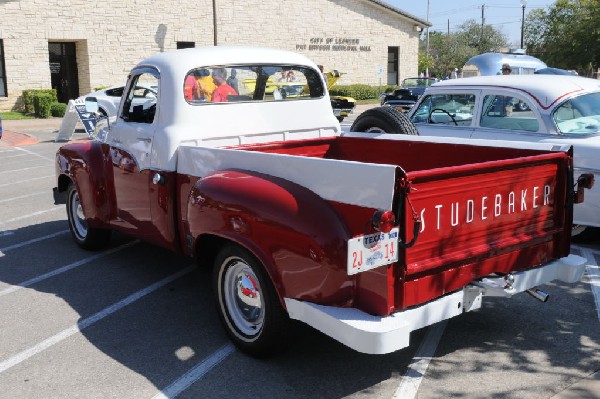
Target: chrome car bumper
384 334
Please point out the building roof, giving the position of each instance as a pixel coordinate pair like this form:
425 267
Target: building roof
401 12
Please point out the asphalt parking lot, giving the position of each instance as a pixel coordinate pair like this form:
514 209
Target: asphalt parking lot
137 321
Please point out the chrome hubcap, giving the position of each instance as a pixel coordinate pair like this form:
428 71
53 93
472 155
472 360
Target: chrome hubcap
243 297
78 219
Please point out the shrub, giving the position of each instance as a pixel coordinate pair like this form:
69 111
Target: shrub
29 98
356 91
42 103
58 109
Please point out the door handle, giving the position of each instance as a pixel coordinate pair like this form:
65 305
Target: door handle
145 139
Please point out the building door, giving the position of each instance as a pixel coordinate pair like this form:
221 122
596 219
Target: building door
63 71
392 66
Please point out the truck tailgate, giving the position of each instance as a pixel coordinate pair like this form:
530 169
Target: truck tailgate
483 218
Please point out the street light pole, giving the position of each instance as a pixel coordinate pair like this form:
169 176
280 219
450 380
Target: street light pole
523 4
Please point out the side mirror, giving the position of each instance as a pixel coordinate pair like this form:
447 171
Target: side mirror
91 105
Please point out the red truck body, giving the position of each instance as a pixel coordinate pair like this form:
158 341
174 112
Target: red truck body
289 214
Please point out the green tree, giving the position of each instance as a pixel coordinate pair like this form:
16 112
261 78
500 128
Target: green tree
449 51
567 35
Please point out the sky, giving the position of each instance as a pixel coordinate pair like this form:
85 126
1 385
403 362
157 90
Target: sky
503 15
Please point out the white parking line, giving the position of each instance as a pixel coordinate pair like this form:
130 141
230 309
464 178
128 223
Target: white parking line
88 321
52 159
197 372
23 169
14 156
64 269
30 215
20 181
409 386
32 241
24 196
593 272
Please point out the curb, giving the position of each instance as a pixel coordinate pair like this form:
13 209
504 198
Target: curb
14 139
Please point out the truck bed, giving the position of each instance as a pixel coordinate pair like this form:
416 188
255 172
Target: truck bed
483 209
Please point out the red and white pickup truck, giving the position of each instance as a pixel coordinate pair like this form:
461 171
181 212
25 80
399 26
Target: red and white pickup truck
364 237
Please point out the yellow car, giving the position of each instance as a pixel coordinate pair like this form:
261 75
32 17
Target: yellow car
342 106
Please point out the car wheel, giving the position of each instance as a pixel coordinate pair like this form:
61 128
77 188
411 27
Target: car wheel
85 236
383 120
248 305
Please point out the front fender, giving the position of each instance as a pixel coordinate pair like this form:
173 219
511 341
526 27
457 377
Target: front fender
87 165
295 234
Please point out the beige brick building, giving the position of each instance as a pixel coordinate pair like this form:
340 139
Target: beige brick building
76 45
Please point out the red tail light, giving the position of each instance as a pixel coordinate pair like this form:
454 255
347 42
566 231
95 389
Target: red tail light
383 221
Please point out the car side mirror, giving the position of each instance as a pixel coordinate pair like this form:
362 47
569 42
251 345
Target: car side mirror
91 105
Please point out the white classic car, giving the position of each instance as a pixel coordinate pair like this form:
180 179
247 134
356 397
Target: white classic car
535 108
110 98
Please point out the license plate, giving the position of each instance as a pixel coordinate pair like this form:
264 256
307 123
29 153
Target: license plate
372 250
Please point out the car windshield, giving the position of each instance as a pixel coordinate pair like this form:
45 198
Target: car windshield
579 115
413 82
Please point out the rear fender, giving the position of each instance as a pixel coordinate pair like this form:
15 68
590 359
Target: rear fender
87 165
295 234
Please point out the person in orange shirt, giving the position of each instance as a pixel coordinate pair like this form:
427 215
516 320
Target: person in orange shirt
223 90
190 88
206 85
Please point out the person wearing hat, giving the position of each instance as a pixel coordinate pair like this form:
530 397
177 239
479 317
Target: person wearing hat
506 69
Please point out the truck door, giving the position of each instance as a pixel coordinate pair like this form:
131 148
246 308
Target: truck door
130 141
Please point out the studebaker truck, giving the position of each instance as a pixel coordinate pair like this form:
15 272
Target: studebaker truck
365 237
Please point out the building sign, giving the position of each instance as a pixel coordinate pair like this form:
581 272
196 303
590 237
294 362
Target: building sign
55 67
333 44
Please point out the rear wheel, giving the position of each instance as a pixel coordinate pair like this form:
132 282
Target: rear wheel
248 305
383 120
85 236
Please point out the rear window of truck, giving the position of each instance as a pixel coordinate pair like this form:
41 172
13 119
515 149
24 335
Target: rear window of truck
222 84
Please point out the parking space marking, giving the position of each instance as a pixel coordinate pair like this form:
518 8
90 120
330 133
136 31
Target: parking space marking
64 269
24 196
88 321
23 169
35 154
409 385
15 156
25 180
32 241
194 374
593 272
30 215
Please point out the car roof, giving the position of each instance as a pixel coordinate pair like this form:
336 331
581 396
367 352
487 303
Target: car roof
546 89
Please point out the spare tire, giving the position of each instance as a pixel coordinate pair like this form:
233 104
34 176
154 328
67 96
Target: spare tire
383 120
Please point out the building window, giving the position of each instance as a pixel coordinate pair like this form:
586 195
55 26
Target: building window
392 66
2 71
181 45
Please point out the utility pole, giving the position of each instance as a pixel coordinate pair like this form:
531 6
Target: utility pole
523 4
214 4
448 26
427 41
482 26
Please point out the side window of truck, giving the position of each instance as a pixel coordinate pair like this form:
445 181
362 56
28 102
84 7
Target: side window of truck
141 99
448 109
250 83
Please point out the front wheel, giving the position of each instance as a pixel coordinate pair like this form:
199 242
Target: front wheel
248 305
85 236
383 120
